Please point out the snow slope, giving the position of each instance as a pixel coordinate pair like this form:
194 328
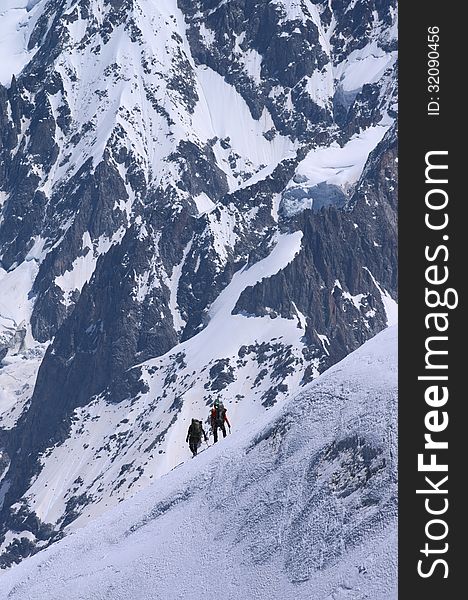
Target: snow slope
340 165
17 18
107 443
300 504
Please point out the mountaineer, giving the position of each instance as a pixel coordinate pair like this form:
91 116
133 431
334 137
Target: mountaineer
218 418
194 435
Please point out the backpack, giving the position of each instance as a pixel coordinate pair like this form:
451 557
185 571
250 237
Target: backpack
196 428
220 412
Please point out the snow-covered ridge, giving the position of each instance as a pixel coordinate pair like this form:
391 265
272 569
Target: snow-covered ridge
303 498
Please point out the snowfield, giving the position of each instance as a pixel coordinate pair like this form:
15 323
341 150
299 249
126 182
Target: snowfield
299 504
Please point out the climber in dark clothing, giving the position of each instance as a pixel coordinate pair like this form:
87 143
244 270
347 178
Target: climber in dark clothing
218 419
194 435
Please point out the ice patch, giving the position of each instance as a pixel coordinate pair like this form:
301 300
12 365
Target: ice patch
366 65
15 302
18 374
356 300
17 19
74 279
204 203
390 305
338 165
253 65
83 266
173 284
325 342
320 86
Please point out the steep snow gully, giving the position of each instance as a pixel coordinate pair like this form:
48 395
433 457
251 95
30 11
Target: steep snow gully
300 504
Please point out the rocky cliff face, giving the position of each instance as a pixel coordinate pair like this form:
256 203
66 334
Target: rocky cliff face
197 199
